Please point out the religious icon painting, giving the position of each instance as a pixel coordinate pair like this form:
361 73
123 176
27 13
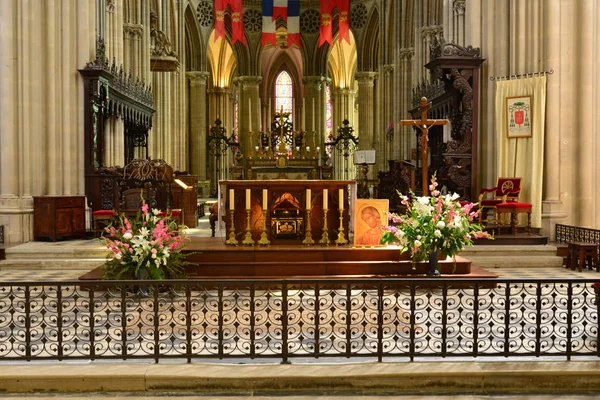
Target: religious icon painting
370 217
518 120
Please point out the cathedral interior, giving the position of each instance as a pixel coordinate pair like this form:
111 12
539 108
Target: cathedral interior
95 84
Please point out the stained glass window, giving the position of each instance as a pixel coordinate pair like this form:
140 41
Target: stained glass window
236 115
328 119
284 93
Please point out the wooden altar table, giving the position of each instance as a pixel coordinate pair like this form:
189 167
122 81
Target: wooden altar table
286 208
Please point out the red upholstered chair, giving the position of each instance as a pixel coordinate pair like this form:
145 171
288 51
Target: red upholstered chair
101 217
506 190
175 214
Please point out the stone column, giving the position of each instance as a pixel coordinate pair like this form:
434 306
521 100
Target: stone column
586 98
405 136
9 145
198 126
366 108
459 21
249 96
388 151
314 92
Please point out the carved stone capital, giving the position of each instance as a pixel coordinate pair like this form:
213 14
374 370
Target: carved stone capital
248 81
366 77
459 7
407 53
342 91
217 90
134 30
388 69
427 32
430 31
110 6
314 82
197 78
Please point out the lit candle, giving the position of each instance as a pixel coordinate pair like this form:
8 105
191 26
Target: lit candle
249 114
313 114
231 199
341 191
247 199
325 199
293 113
308 199
264 199
303 114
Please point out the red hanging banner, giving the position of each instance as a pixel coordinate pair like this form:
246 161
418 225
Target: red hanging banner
344 22
326 7
220 19
237 22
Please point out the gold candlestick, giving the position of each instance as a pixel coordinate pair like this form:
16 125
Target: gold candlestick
248 238
341 239
325 238
264 241
232 240
308 240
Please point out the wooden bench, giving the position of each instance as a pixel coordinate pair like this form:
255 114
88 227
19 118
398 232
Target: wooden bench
582 254
514 209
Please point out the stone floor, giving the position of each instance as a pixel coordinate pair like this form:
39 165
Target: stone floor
322 380
316 396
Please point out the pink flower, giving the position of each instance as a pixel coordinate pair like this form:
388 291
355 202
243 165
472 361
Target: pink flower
145 208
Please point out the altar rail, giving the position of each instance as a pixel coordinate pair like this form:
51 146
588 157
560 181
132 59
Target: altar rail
286 319
568 233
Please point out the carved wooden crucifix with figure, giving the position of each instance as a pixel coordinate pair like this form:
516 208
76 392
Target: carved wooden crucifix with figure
424 124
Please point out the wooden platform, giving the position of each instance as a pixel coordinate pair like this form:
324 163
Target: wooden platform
213 259
519 239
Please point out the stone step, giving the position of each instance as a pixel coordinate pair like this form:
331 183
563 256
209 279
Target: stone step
58 263
72 254
537 256
81 249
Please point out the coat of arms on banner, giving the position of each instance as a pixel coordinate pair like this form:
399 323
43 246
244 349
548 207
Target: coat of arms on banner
519 121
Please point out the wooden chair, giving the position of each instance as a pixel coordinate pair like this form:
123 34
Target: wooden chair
506 190
133 199
101 219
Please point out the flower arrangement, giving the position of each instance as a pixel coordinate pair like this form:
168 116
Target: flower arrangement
147 246
436 223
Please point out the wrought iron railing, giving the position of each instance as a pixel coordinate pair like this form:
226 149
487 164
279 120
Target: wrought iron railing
568 233
286 319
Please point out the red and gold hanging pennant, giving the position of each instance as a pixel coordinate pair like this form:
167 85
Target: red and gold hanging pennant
237 22
220 18
344 21
325 35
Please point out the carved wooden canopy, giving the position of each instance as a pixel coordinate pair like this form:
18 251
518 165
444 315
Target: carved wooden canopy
452 90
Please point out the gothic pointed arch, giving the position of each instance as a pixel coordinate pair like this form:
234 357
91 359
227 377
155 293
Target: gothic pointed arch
341 64
195 59
272 67
222 62
368 52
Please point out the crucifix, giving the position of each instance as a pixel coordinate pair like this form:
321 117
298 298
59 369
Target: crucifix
424 124
281 115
